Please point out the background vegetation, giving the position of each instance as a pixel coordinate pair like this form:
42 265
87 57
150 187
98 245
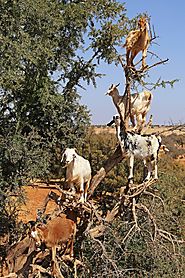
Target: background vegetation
128 252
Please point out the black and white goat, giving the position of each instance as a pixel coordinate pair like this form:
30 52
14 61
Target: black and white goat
145 147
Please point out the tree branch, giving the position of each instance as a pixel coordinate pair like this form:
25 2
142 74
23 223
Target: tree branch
108 165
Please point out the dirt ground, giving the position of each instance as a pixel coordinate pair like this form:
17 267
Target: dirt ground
35 199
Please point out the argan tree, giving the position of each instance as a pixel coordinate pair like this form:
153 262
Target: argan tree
47 48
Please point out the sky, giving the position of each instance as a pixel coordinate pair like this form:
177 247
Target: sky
168 104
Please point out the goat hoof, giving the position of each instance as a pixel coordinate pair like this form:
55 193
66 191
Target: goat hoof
130 181
81 201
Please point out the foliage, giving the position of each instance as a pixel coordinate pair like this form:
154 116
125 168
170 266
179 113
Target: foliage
128 251
47 49
175 144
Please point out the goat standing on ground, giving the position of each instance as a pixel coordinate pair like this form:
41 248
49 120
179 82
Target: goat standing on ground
78 172
145 147
139 106
136 41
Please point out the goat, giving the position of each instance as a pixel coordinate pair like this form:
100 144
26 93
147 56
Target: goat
134 145
139 105
57 231
136 41
78 172
116 121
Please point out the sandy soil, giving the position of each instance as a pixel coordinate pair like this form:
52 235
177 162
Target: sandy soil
35 199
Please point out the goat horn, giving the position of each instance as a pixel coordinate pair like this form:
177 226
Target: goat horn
117 85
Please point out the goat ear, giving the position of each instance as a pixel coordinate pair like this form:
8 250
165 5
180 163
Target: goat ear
42 227
110 123
117 84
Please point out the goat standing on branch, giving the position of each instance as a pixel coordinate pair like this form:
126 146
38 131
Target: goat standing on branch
134 145
78 172
136 41
139 106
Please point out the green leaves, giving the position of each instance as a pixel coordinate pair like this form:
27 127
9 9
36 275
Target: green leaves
47 48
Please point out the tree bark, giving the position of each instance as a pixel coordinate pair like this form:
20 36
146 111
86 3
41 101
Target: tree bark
113 160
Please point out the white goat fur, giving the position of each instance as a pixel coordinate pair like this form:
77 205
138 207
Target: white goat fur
78 172
145 147
140 105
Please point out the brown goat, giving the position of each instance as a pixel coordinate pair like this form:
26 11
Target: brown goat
136 41
58 231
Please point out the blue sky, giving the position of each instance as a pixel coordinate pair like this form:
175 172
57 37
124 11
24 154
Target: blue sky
168 105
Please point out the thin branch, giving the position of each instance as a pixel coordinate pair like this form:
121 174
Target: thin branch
168 236
178 127
154 196
145 209
154 65
129 233
134 212
106 255
141 187
155 55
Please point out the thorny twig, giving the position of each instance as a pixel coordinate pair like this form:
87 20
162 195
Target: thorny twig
106 255
154 196
145 209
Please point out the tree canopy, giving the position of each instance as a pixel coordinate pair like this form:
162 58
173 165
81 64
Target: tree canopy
47 48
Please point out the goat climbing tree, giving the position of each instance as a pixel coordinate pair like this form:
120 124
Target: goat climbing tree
96 220
131 74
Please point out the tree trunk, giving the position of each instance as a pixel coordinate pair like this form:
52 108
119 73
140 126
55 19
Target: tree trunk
117 157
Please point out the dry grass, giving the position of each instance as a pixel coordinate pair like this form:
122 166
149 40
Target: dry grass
155 129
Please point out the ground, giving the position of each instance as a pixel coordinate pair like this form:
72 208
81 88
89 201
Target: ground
35 199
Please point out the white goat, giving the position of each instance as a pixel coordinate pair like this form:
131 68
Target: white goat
139 105
78 172
134 145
